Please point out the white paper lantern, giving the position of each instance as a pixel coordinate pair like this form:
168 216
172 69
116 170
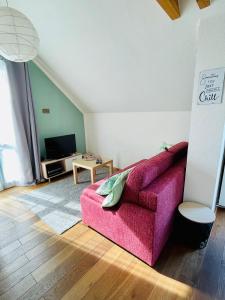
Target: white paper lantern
19 40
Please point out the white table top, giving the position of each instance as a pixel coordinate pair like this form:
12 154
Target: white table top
90 164
196 212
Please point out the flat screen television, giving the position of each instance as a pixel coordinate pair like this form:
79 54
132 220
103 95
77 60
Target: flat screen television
60 146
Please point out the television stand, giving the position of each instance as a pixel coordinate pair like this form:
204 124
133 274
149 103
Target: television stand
56 167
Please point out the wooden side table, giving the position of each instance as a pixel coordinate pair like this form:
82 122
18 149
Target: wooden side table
194 223
92 166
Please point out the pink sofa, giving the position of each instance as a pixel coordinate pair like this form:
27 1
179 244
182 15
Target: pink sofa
143 220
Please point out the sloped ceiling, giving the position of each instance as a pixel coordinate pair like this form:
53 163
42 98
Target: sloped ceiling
117 55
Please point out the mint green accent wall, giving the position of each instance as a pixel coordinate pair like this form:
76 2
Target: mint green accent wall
64 117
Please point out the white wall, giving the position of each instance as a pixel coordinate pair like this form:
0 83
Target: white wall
207 121
129 137
117 55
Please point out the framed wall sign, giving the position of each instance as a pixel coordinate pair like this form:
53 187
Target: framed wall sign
211 83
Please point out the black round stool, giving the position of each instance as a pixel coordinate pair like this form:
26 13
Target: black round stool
193 224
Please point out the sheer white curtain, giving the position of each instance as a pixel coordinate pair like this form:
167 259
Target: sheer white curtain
10 165
19 145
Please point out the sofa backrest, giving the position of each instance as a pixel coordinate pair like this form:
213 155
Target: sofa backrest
142 175
179 150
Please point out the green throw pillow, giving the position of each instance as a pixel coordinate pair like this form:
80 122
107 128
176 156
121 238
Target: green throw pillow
106 187
114 187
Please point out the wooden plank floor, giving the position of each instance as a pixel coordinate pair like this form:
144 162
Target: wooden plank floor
35 263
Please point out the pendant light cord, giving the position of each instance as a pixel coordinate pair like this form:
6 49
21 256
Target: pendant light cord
7 3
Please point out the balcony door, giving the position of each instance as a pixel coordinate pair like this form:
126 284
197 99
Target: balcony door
9 160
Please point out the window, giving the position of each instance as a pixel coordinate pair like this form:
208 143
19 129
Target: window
9 161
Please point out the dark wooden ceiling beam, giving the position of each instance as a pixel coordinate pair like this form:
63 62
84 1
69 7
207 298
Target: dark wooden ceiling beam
171 7
203 3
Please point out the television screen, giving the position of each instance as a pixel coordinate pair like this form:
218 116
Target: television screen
60 146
